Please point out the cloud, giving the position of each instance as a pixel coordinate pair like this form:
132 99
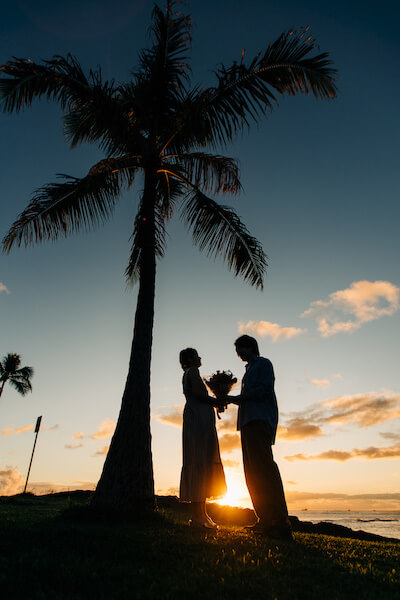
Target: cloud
15 431
4 289
78 436
320 382
102 452
369 453
393 437
73 446
228 420
298 500
229 442
172 491
106 429
172 415
299 429
50 487
273 330
361 410
230 464
52 428
11 481
346 310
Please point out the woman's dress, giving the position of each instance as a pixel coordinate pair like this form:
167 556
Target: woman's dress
202 473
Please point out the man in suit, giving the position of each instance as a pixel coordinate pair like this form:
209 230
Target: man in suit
257 423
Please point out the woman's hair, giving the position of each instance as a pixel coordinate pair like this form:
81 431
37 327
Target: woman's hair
187 355
247 341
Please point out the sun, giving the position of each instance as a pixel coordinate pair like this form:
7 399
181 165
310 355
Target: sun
237 494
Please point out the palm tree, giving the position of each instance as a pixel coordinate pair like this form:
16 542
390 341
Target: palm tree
19 378
160 125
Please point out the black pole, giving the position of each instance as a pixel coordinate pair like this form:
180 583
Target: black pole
39 419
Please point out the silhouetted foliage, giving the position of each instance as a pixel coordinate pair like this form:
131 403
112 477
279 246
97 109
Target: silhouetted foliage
18 377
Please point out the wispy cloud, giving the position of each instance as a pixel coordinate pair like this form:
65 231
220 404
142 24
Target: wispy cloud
16 430
73 446
365 410
299 429
171 415
52 428
320 382
230 464
229 442
11 481
102 452
360 410
392 436
106 429
347 310
172 491
273 330
372 452
78 435
297 500
4 289
50 487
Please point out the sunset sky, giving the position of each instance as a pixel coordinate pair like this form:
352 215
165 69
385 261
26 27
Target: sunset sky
321 191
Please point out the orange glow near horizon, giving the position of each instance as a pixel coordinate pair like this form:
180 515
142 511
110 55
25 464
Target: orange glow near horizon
237 494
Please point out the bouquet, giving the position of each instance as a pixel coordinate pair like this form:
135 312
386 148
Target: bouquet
220 384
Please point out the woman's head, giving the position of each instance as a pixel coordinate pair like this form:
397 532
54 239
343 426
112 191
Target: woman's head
189 358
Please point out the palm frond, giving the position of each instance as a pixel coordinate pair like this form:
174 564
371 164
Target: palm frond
245 92
11 363
61 79
24 373
172 39
170 190
22 386
209 172
218 230
59 209
99 116
145 232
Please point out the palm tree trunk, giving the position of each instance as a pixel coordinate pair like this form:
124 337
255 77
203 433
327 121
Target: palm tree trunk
127 483
2 386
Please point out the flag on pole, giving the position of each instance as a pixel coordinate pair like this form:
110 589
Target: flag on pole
39 420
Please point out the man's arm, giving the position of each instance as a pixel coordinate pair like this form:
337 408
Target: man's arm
259 383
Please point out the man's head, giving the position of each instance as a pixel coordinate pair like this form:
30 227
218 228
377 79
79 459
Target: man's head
247 348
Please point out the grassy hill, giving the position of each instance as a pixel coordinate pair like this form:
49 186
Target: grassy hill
51 548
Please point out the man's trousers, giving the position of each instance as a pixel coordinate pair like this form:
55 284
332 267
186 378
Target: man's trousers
262 475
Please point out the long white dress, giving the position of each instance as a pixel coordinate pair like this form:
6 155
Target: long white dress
202 473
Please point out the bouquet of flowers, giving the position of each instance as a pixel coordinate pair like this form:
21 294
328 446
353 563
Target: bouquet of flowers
220 384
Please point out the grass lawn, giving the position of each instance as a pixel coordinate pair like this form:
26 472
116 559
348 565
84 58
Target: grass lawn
46 553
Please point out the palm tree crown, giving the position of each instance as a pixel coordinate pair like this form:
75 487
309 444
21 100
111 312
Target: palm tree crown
18 378
161 125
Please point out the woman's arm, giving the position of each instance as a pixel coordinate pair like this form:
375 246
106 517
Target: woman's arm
197 387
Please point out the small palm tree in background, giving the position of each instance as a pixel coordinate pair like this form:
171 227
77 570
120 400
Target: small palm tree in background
18 378
161 126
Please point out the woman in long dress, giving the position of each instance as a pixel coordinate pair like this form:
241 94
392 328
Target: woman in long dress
202 474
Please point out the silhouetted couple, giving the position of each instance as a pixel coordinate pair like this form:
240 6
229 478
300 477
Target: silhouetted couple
202 472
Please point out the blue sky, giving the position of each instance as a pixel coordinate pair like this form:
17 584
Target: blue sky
321 194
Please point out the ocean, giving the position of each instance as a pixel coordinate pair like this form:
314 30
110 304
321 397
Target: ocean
380 523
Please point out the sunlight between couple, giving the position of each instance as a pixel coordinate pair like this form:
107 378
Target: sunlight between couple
202 474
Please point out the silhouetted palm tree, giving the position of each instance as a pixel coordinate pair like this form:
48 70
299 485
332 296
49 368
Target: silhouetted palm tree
18 378
159 125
